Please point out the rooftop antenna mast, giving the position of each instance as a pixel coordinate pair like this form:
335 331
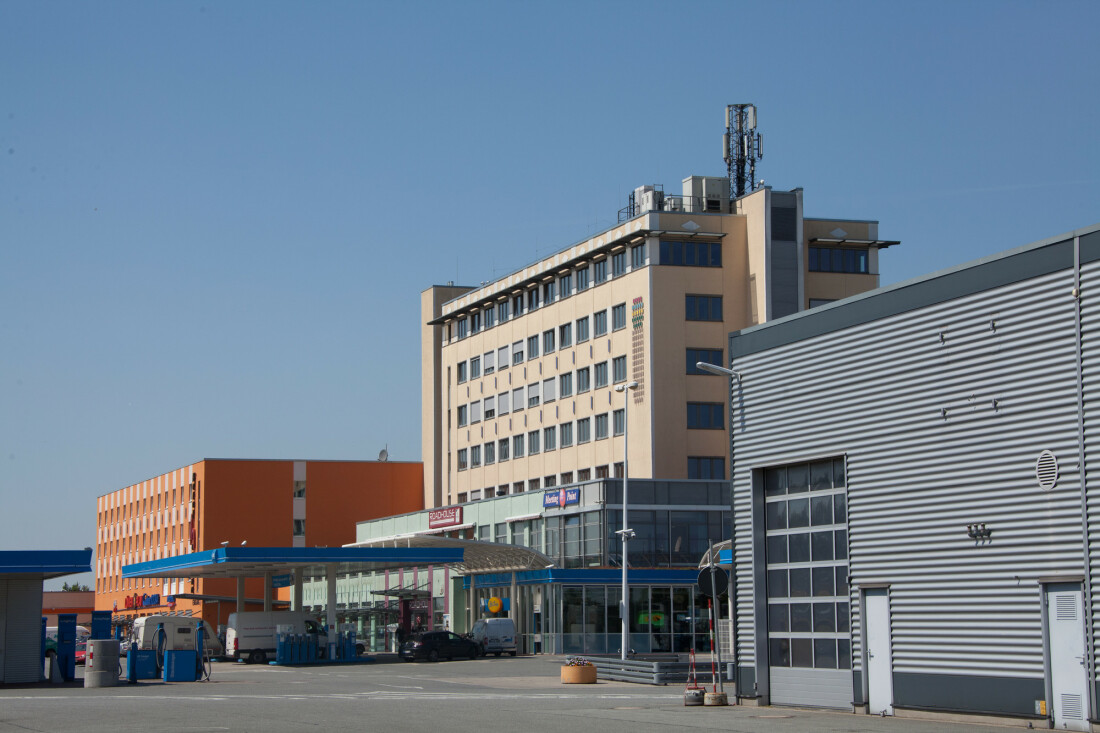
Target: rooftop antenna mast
741 148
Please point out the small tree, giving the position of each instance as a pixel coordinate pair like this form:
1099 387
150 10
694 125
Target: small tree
74 587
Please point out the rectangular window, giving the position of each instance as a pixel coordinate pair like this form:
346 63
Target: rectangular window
549 389
582 329
584 474
517 446
691 254
475 411
532 299
582 279
475 367
502 449
549 481
502 404
583 381
618 368
618 419
601 426
601 374
517 353
550 438
475 322
502 357
463 328
533 395
567 477
637 256
704 307
517 399
565 383
705 467
490 408
548 292
475 456
532 347
490 453
502 311
838 259
533 484
547 341
599 272
517 305
707 356
618 264
463 372
599 322
618 317
602 472
532 442
463 418
489 316
566 435
489 360
706 416
462 459
565 335
517 487
565 285
584 430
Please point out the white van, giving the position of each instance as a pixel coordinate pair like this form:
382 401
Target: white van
253 635
495 636
179 633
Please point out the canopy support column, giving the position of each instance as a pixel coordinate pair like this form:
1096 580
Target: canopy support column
240 594
296 601
330 609
267 590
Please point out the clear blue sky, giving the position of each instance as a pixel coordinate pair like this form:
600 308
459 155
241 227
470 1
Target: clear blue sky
216 217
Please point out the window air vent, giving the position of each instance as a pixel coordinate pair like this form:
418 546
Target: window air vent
1046 470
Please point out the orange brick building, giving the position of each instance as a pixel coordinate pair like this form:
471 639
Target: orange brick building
265 503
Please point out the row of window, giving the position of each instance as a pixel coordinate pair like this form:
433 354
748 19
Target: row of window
546 343
692 254
839 259
537 393
535 484
566 284
547 439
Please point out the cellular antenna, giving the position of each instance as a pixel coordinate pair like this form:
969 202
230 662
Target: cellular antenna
741 148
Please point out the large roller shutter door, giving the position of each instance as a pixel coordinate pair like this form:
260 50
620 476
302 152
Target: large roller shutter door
23 631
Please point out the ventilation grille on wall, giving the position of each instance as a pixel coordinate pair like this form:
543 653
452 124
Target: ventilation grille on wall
1046 470
1066 608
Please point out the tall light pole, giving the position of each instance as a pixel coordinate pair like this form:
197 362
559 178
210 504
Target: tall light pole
625 533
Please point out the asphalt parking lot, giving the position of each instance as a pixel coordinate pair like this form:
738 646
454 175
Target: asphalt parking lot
520 694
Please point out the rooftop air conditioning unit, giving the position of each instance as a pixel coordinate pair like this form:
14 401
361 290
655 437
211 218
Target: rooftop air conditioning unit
674 204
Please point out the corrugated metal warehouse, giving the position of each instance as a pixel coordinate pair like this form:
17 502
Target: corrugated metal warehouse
910 514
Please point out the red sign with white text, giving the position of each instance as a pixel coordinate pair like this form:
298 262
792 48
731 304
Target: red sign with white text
444 517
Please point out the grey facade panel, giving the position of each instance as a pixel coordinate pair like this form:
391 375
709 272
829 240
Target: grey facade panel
784 279
999 695
22 629
940 398
816 687
905 297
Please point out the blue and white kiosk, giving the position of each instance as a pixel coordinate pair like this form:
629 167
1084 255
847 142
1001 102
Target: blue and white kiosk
22 629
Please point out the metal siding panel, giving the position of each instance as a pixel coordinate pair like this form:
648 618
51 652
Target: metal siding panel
817 687
23 631
877 392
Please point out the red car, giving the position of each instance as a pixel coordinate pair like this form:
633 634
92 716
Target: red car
81 651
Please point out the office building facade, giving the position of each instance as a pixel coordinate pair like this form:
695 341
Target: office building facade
519 375
264 503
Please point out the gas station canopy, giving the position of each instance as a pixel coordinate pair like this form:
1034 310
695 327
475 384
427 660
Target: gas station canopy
248 562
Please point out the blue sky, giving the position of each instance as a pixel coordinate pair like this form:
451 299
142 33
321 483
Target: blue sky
216 218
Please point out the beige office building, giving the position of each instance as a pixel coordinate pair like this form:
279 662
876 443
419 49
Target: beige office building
519 375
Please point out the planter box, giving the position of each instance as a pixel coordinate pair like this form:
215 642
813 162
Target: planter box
585 675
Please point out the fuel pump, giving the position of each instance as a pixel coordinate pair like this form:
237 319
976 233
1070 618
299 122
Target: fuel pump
159 645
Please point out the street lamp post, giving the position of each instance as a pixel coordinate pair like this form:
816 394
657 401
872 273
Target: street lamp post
625 533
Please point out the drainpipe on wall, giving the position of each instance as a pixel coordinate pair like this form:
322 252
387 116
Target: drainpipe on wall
1090 652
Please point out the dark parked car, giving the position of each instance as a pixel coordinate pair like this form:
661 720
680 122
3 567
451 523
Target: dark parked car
432 645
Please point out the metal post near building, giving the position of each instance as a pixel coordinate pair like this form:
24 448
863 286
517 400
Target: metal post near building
625 533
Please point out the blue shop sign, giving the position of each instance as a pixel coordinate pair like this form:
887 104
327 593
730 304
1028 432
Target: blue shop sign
561 498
